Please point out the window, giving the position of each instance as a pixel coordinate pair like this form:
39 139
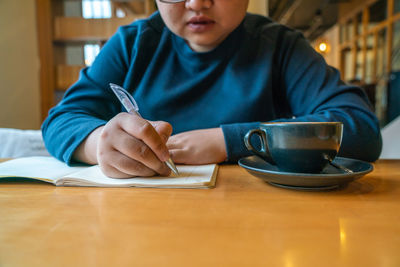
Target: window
349 31
377 13
359 19
342 33
369 64
396 6
96 9
396 47
348 63
90 53
359 60
382 55
120 13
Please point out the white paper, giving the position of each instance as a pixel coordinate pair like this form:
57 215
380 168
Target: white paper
59 173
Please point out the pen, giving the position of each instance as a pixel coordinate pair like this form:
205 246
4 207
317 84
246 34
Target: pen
132 107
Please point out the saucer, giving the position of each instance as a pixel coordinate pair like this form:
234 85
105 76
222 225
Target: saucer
329 178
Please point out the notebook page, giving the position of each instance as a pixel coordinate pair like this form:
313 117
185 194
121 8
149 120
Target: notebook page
42 168
190 176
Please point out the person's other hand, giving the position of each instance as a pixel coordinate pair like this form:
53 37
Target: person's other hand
198 147
129 145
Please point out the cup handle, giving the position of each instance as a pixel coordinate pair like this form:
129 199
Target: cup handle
263 152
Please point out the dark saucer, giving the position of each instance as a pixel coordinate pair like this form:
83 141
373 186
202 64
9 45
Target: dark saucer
330 177
307 188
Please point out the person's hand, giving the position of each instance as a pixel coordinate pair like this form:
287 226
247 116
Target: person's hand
198 147
127 146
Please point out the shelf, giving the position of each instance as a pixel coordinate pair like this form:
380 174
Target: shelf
80 29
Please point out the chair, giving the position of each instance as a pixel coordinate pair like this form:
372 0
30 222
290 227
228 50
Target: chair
21 143
391 140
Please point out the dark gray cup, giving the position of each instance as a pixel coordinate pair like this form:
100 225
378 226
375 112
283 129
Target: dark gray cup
302 147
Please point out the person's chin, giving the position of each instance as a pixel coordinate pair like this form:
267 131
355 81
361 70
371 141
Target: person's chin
199 46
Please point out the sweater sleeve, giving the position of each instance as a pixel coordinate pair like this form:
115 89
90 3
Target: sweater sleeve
234 134
314 92
310 90
89 103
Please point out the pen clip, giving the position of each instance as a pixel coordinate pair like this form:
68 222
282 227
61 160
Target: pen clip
125 98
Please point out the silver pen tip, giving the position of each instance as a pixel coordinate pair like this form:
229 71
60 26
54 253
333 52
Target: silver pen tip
172 166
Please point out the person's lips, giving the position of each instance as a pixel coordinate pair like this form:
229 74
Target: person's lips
200 23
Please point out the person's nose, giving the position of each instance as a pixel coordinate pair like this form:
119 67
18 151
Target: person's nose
197 5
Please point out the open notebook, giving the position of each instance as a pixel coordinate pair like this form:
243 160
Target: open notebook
51 170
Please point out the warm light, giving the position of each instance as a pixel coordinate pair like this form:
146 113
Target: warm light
289 259
343 227
323 47
342 237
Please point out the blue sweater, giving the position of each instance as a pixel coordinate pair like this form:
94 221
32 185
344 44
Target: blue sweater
262 72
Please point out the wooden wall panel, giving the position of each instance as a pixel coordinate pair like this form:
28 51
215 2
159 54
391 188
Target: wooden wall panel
66 76
45 39
80 29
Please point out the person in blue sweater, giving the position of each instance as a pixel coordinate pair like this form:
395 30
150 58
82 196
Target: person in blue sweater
203 73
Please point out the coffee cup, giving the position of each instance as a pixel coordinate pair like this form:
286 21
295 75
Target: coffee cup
300 147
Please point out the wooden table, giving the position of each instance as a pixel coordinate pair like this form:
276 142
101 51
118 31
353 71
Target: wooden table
242 222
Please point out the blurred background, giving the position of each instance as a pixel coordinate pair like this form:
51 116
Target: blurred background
44 44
